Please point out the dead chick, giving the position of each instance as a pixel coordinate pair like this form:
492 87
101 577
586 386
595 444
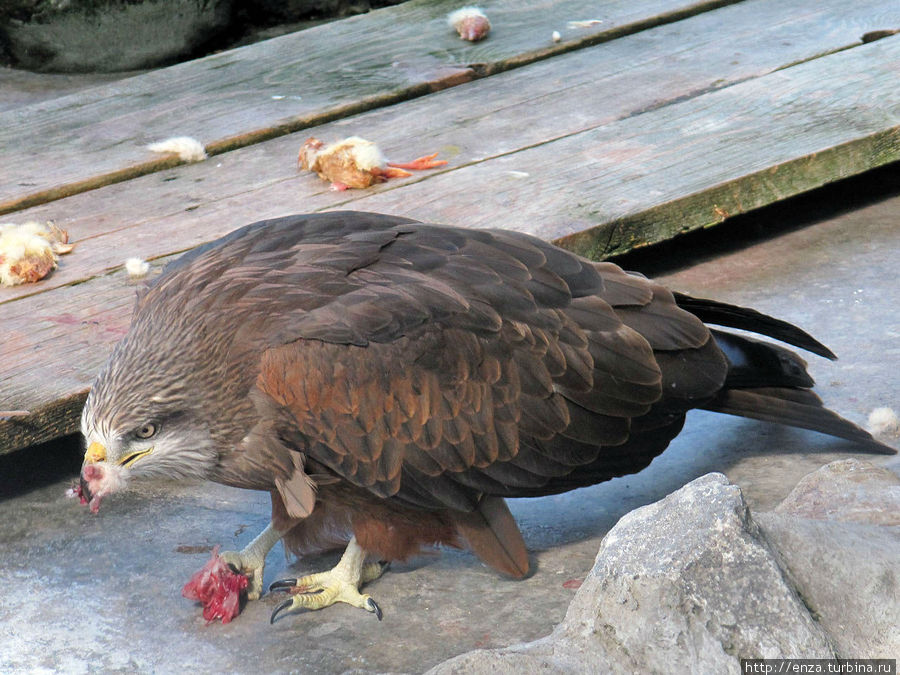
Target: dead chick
471 23
30 251
355 162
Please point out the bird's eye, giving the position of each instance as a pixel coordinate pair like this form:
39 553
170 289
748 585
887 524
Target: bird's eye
147 430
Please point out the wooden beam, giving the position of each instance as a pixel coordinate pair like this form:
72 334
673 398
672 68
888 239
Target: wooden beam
243 96
492 119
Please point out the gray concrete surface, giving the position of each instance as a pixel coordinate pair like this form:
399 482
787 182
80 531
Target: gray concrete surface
82 593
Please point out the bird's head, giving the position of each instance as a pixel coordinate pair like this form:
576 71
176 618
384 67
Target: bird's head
140 420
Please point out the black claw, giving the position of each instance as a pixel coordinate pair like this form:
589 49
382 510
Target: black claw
234 569
374 608
283 605
282 585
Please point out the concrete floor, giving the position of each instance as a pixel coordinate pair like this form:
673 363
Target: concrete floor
82 593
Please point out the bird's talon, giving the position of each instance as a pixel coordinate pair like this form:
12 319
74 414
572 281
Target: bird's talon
283 585
373 607
277 610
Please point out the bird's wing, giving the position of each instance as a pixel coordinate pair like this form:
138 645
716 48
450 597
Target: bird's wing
440 365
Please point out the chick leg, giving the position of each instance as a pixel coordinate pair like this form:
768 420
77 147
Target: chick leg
340 584
420 164
251 560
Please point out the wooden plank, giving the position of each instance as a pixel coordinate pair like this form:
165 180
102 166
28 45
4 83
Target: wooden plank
572 93
246 95
685 166
19 88
817 115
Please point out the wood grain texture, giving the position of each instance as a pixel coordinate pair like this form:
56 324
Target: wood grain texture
243 96
604 173
490 119
686 165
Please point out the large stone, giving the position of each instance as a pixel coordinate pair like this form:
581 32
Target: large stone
80 36
687 584
111 35
849 577
838 536
849 490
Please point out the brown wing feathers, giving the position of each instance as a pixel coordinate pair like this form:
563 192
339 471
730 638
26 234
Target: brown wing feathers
449 403
438 367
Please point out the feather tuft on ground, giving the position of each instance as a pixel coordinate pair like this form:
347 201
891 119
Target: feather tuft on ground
884 422
188 149
137 268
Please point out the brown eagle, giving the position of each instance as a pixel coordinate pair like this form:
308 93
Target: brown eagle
390 382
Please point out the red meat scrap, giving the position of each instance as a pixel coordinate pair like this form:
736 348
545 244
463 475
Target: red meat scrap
218 588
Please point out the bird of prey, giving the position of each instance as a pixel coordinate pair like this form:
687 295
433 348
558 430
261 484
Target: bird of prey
390 382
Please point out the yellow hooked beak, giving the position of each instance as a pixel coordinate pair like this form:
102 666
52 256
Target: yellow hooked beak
95 453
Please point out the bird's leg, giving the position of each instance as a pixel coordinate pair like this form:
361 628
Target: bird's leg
251 560
340 584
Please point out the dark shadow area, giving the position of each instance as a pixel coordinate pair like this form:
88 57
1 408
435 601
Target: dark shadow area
239 23
40 465
766 223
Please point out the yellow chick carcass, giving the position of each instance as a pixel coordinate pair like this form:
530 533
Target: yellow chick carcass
355 162
28 252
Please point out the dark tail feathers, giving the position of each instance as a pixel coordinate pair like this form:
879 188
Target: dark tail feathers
768 382
782 406
722 314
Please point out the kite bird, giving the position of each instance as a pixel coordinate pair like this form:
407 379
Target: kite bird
391 382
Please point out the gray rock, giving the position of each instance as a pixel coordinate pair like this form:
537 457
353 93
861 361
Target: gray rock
110 35
687 584
80 36
848 574
849 490
838 537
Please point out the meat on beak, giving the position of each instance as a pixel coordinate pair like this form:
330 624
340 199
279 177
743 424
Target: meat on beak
94 454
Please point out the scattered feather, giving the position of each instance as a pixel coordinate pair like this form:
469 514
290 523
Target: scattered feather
355 162
137 268
556 36
188 149
30 251
471 23
218 588
884 422
77 492
585 23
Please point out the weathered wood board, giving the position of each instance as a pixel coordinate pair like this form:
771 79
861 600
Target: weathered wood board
626 132
498 117
242 96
